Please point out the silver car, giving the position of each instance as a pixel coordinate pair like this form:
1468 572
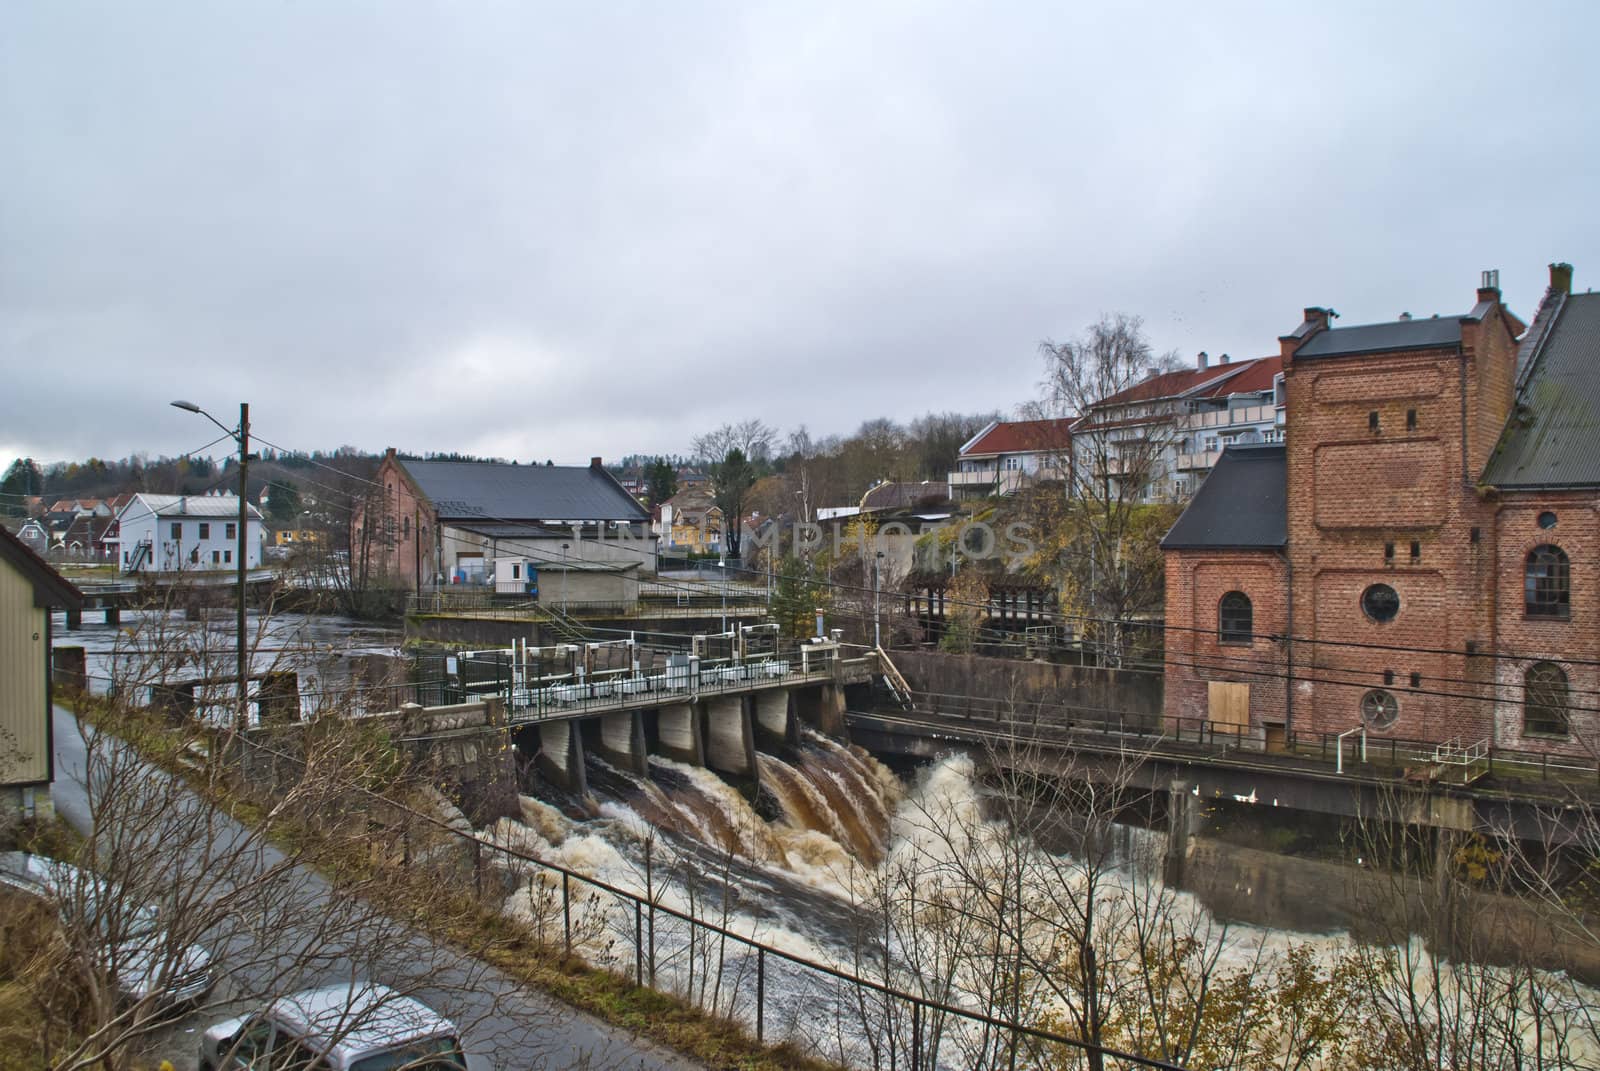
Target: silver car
139 950
367 1027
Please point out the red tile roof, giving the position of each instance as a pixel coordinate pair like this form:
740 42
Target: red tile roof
1021 436
1219 381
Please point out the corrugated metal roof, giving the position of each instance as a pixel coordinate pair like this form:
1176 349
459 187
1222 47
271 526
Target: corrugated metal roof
1244 502
485 490
1383 338
1553 436
195 506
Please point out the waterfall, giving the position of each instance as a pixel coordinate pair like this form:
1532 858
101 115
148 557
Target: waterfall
832 791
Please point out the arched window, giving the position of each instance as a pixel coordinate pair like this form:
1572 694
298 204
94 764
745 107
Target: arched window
1235 618
1547 583
1544 700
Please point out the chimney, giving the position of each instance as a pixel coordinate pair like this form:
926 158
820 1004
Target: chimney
1561 278
1489 285
1223 359
1202 362
1405 317
594 463
1317 318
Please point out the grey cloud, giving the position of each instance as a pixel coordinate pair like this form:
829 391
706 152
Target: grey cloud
553 232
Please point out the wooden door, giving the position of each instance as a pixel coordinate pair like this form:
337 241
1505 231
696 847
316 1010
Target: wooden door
1229 706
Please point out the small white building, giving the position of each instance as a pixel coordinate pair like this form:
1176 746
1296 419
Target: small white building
181 533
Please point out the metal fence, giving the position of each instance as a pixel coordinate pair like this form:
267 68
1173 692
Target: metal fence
1374 751
908 1030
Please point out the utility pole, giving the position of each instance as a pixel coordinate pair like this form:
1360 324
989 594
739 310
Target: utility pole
243 716
877 636
240 435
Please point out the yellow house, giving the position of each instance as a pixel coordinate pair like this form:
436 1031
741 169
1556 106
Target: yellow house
691 521
29 590
295 537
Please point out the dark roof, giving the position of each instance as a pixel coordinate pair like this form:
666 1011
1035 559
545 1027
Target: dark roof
486 490
1383 338
891 495
50 588
1244 502
1553 436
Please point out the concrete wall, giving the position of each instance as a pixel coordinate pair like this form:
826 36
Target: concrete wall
577 586
1088 689
456 745
679 734
729 736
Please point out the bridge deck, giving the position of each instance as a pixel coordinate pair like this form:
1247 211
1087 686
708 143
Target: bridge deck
611 695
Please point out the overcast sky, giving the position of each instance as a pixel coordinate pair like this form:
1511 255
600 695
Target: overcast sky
539 230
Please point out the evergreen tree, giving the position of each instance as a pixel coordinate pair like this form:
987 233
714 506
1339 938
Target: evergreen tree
23 478
283 501
796 597
661 480
730 482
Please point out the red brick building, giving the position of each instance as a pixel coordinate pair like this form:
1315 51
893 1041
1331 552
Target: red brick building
1427 576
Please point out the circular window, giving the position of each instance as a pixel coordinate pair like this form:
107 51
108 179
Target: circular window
1547 519
1380 602
1379 709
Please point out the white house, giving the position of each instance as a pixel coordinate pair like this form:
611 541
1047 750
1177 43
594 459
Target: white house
1008 455
175 533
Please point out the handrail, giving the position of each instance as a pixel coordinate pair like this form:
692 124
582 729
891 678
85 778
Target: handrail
641 904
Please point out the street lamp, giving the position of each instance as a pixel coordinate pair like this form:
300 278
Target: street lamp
564 549
240 435
877 566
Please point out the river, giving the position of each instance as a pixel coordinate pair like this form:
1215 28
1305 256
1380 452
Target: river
917 881
329 654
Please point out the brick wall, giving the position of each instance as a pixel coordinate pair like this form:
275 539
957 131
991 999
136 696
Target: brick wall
1195 655
1354 490
396 526
1572 643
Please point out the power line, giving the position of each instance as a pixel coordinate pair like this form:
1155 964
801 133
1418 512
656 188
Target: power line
1080 618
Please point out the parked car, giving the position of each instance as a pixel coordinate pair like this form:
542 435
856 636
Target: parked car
140 950
367 1027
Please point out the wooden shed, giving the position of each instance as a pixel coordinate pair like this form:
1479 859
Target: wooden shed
29 590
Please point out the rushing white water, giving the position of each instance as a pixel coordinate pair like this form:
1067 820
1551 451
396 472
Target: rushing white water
919 887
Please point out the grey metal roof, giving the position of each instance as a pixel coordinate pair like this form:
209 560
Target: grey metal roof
485 490
1553 436
1383 338
1244 502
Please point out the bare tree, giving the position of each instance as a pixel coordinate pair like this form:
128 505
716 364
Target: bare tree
1099 539
752 438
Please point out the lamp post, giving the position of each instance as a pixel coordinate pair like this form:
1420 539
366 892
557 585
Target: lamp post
564 548
877 566
240 435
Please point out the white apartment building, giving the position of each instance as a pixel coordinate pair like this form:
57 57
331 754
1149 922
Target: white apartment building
1181 421
180 533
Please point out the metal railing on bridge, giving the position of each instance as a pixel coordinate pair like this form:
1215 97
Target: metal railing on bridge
1039 720
540 699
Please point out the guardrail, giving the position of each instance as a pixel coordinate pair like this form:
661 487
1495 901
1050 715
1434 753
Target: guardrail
1397 753
908 1030
569 698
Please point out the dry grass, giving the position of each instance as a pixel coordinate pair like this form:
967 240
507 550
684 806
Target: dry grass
476 929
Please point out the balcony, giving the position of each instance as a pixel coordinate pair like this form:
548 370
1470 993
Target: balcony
1222 418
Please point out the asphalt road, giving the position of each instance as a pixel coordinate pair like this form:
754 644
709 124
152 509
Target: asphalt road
507 1026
